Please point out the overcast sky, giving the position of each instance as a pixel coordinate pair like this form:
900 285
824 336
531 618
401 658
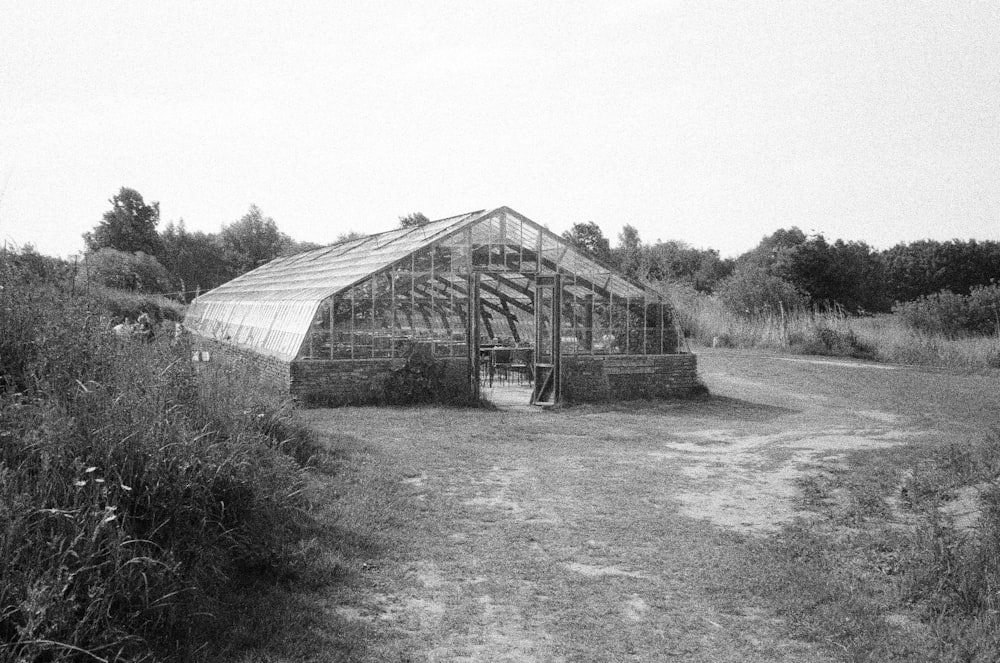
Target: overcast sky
711 123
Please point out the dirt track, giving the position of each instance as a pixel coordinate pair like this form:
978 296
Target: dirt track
602 533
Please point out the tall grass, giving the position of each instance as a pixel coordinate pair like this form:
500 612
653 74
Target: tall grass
887 338
131 489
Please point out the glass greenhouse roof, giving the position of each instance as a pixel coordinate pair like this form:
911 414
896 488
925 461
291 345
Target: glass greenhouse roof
271 308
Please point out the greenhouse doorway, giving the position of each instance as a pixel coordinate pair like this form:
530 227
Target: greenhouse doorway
515 360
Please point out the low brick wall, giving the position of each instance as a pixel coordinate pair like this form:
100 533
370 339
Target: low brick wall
618 378
355 381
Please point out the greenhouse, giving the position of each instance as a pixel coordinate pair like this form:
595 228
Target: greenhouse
486 296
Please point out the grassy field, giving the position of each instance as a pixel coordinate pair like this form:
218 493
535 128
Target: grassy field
639 532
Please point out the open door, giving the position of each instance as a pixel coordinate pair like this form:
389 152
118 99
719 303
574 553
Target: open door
548 323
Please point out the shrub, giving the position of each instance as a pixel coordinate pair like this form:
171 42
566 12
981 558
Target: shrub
753 291
419 380
126 304
125 271
823 340
953 315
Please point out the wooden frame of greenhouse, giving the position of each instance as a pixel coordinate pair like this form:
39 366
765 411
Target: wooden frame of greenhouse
475 294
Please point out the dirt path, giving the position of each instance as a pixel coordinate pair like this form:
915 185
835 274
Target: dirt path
604 533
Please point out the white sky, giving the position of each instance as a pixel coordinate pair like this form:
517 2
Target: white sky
712 123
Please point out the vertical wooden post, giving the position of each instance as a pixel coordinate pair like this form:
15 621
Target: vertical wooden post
371 280
520 251
628 324
413 294
472 334
556 338
392 325
661 327
645 325
612 337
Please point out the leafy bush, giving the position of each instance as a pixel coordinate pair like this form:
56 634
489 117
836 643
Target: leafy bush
127 495
138 271
28 266
953 315
122 304
753 291
822 340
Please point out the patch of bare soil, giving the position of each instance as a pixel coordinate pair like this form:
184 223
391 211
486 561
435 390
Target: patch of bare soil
749 481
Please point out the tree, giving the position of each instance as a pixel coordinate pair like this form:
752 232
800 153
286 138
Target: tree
130 225
413 220
348 236
589 238
848 274
928 266
677 262
195 260
773 248
251 241
630 255
290 247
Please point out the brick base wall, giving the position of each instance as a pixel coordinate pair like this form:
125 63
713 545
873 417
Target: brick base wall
617 378
584 378
357 381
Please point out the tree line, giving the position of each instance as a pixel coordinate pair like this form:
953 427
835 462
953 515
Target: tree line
788 268
126 250
792 269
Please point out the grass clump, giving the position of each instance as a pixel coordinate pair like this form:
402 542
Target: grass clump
128 497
